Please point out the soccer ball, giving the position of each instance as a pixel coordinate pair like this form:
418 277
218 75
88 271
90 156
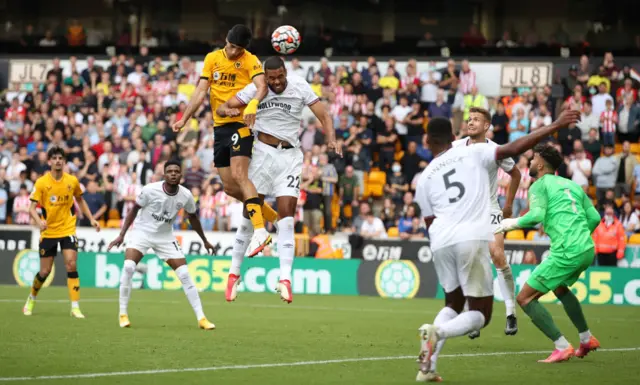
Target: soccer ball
397 280
285 39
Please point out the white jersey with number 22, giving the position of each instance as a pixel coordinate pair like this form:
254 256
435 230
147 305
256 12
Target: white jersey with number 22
455 189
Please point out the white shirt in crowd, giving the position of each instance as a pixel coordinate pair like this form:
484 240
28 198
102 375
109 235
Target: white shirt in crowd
586 123
578 168
430 80
505 164
375 227
599 103
399 113
540 121
174 100
159 209
455 189
279 115
135 78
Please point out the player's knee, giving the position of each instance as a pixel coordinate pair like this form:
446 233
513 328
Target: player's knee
129 267
44 272
523 300
70 265
561 291
498 257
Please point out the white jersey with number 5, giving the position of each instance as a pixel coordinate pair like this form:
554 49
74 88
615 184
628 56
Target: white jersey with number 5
506 164
455 189
279 115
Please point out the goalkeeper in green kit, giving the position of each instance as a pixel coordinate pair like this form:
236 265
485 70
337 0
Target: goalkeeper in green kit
569 218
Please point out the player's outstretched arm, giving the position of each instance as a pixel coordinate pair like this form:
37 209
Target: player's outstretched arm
321 113
536 214
197 227
593 217
131 215
230 108
249 113
87 212
196 100
527 142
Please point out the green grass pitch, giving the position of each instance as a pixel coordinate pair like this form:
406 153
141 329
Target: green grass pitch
260 340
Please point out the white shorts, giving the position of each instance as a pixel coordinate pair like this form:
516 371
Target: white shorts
466 265
164 247
276 172
496 218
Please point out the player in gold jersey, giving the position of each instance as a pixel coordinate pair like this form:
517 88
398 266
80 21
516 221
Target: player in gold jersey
55 192
225 72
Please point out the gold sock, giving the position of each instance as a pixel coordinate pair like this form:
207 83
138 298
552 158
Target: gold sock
269 214
252 205
38 281
73 284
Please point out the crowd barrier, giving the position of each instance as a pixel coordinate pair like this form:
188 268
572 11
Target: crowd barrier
385 268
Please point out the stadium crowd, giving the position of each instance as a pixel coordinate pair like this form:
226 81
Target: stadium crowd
114 123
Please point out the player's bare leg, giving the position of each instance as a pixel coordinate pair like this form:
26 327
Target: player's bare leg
541 318
506 284
73 281
131 258
573 309
179 265
286 244
46 264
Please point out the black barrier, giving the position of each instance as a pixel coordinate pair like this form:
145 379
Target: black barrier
397 279
419 251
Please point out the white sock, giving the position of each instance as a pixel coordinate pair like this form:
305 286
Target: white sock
585 337
462 324
561 343
190 290
445 315
240 245
128 269
286 247
507 289
75 305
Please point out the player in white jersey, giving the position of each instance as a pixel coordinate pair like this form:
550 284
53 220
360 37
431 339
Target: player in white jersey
478 125
155 211
454 195
276 163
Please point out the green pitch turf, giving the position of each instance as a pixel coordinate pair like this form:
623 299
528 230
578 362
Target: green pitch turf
260 340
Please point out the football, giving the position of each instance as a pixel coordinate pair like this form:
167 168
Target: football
285 39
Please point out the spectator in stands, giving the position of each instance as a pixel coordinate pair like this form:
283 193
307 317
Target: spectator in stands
592 145
4 199
405 223
505 41
629 219
609 122
627 162
349 191
566 138
473 37
440 108
388 213
599 101
473 99
588 121
521 202
329 182
359 219
313 205
195 175
48 40
610 239
372 227
519 125
96 202
397 183
605 171
580 166
626 91
75 34
628 119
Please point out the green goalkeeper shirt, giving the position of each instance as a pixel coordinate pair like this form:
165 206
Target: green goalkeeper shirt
566 212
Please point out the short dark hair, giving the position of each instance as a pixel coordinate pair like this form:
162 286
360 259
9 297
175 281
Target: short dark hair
273 63
172 162
484 112
55 150
551 156
440 130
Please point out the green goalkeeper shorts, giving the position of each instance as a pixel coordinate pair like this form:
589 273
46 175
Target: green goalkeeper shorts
555 272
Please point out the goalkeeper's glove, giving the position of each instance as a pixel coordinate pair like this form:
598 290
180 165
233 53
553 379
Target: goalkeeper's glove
251 108
507 224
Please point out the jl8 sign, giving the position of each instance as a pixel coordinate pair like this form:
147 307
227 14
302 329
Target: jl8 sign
524 75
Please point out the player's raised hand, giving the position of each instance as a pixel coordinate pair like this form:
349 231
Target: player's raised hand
116 242
178 125
95 225
43 224
333 146
568 117
209 247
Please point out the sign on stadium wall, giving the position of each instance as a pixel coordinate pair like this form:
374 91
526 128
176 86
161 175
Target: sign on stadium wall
492 78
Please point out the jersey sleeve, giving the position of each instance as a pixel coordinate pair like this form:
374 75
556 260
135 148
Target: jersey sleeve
207 68
77 189
422 197
142 199
537 206
593 217
253 66
37 193
308 95
484 154
247 93
507 164
190 206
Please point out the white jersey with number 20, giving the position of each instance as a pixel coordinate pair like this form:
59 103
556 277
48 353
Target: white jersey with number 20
455 189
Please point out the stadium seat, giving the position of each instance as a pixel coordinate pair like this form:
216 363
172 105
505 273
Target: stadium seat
515 235
364 189
398 155
592 191
393 232
113 224
102 223
635 148
530 235
348 211
618 202
377 180
634 239
618 148
114 214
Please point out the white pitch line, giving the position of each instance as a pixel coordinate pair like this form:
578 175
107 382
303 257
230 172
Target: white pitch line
277 365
